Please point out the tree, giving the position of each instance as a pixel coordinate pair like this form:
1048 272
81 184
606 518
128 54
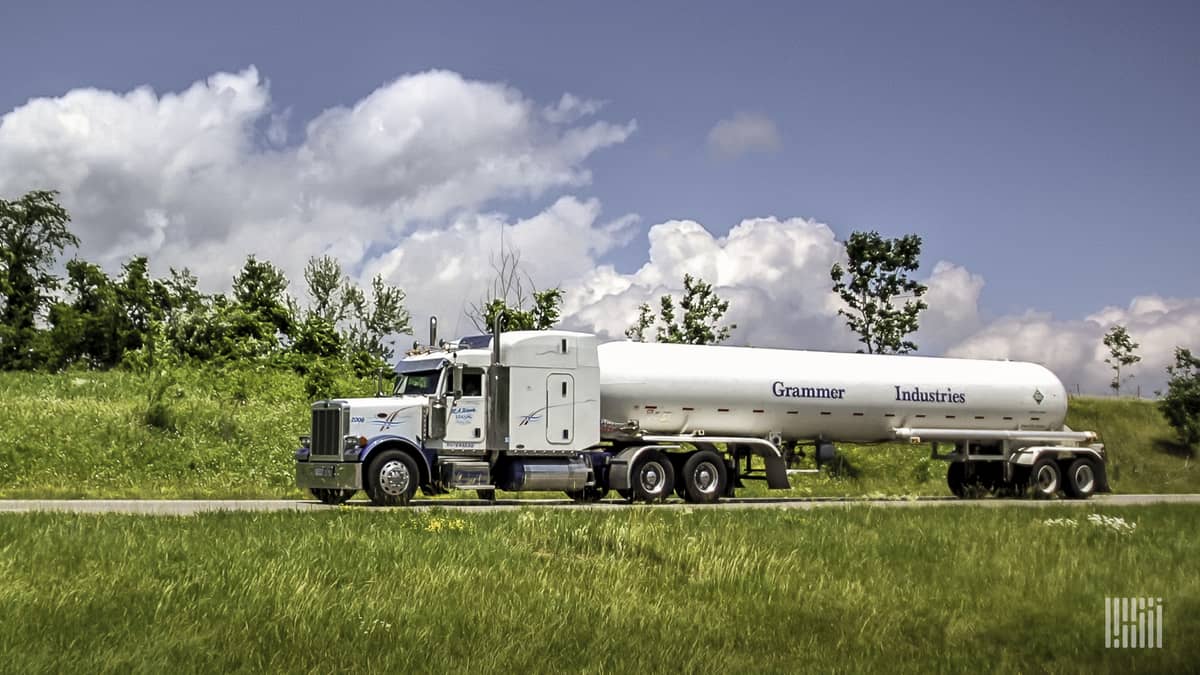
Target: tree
1120 349
872 285
513 294
373 322
33 233
1181 404
703 311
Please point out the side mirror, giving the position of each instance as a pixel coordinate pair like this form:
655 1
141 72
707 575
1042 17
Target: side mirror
456 386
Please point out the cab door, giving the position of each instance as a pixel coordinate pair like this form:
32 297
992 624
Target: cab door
560 408
466 416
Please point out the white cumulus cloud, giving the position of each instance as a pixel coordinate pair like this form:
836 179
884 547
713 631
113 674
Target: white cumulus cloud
201 178
743 133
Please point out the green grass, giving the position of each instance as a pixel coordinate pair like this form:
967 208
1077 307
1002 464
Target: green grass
845 589
231 434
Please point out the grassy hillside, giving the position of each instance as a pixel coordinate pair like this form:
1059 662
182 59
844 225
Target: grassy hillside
1144 453
856 590
231 433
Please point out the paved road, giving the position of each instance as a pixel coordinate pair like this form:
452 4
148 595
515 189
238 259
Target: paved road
183 507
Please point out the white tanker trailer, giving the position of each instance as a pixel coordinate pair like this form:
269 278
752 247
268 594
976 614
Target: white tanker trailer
555 410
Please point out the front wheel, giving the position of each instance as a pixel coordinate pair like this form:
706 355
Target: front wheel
392 478
332 496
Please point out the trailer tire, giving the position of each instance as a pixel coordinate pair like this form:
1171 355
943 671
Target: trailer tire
652 478
704 477
332 496
392 478
956 479
1045 478
627 495
488 494
1081 479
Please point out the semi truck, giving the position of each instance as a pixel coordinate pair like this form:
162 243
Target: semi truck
557 410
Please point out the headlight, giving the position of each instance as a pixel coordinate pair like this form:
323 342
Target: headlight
349 442
306 441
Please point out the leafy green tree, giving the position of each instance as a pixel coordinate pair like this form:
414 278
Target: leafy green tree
1181 404
873 284
260 289
701 323
374 322
33 233
1121 354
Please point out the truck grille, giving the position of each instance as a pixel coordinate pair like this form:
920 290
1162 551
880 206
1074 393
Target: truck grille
329 426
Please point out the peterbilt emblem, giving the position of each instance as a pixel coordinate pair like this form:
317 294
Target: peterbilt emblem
1037 396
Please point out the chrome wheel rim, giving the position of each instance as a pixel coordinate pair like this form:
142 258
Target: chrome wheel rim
705 478
394 478
652 478
1047 480
1085 478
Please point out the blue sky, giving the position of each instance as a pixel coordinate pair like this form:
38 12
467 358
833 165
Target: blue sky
1020 139
1049 148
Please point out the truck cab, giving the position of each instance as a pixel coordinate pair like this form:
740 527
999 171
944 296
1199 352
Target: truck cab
482 413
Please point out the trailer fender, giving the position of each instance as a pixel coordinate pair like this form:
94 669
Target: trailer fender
777 478
380 443
1028 456
618 469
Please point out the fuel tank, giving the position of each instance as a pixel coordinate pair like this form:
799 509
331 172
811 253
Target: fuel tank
802 395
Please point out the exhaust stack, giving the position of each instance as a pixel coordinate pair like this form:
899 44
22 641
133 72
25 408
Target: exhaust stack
433 332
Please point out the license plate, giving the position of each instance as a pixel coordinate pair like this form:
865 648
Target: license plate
323 471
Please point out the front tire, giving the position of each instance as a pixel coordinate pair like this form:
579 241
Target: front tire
652 478
392 478
1045 478
1081 479
704 477
332 496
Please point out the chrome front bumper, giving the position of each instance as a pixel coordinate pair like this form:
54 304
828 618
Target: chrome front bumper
334 475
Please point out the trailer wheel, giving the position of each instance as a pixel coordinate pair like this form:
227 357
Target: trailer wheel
332 496
588 495
392 478
704 477
1045 478
956 479
1081 479
652 478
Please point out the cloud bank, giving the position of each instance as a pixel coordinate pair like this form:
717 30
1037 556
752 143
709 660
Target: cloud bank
406 183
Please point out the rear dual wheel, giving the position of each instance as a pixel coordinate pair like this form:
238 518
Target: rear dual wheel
704 477
652 478
1081 480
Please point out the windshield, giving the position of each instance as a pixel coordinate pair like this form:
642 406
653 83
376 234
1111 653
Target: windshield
421 383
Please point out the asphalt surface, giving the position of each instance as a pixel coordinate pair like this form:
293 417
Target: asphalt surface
184 507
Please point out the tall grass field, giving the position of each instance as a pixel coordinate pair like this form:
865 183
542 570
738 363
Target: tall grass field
855 589
231 434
